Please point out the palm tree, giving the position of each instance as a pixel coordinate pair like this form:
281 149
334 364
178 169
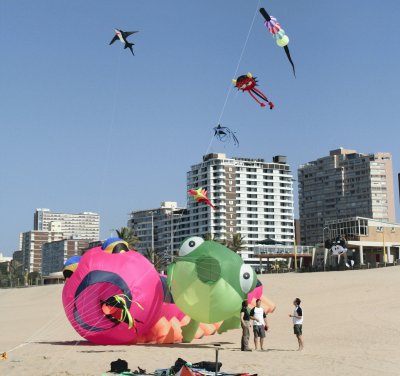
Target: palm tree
153 257
127 234
208 236
237 243
15 271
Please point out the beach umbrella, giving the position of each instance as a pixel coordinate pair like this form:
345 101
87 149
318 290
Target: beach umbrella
269 241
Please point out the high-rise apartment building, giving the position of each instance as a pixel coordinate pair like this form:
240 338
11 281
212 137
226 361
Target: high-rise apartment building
253 198
341 185
84 225
32 242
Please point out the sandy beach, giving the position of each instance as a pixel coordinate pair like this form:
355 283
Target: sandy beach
351 327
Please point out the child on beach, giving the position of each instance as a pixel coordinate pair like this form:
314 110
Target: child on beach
298 323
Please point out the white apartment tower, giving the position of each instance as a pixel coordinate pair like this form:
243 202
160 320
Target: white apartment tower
344 184
84 225
253 198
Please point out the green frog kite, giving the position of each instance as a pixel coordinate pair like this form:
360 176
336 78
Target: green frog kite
208 282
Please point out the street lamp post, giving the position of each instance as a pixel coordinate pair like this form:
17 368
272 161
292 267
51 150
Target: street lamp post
323 244
384 248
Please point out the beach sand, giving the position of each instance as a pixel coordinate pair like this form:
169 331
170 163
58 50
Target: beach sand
351 327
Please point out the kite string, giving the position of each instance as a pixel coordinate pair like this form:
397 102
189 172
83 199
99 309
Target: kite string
51 325
67 352
48 329
111 125
220 117
225 103
105 168
230 85
239 62
111 128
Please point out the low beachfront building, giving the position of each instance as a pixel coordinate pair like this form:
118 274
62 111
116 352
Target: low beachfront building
369 241
270 257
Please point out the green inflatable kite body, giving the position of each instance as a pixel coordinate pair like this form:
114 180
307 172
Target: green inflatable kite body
208 283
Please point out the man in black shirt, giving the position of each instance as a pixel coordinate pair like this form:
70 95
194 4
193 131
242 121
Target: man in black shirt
245 322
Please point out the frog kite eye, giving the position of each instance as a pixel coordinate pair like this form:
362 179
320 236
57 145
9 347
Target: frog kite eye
247 278
189 245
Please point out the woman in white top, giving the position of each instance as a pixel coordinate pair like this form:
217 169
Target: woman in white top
298 323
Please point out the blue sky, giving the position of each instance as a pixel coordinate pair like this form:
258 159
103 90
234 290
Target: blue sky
87 127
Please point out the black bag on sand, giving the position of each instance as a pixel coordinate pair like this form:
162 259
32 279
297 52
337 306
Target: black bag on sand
119 366
179 363
208 366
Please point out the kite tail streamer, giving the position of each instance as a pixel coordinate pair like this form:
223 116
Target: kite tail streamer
252 95
286 48
278 33
125 314
120 301
264 97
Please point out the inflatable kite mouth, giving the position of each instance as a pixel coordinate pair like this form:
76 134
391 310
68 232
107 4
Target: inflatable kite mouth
98 287
208 269
116 310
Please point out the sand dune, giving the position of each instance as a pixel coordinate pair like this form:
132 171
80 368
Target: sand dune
351 328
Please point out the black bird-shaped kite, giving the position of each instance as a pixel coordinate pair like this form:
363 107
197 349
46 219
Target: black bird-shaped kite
122 36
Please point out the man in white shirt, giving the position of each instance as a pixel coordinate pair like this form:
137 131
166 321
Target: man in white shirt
298 323
260 325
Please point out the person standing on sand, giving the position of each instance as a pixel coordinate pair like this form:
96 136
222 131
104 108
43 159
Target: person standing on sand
245 323
260 325
298 323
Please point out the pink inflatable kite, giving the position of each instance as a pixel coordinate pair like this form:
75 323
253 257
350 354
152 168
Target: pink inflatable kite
101 276
115 296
